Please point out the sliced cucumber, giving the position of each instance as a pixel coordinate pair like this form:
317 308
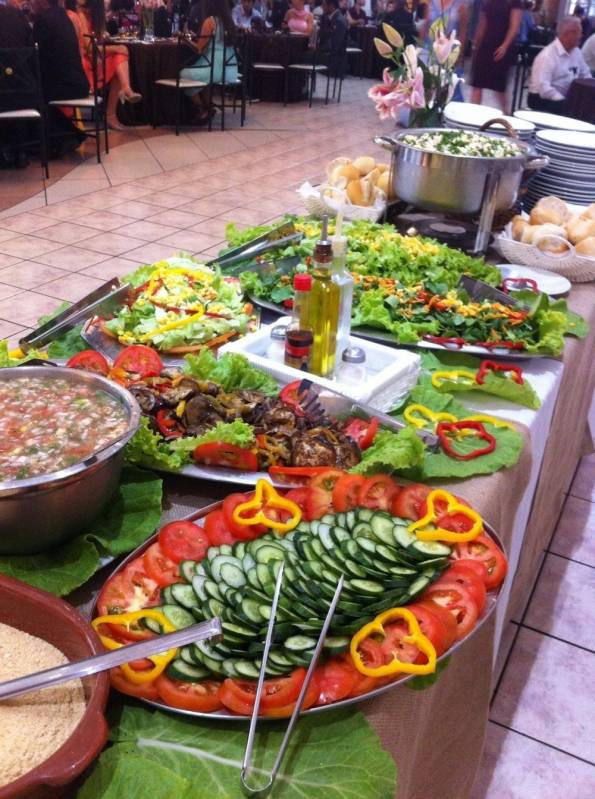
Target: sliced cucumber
218 561
233 575
184 595
204 649
298 643
429 549
178 616
166 596
152 625
187 655
268 552
418 586
364 514
250 609
334 644
225 549
187 570
402 537
246 669
178 669
350 520
366 587
382 526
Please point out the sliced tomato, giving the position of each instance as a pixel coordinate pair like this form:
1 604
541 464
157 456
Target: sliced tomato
239 695
346 492
336 682
446 617
129 590
327 479
145 690
487 552
371 653
295 474
311 698
159 567
363 684
431 626
476 566
318 502
183 541
440 509
394 646
300 497
410 502
199 696
459 602
290 396
242 532
90 360
362 431
218 453
467 578
217 530
141 360
377 492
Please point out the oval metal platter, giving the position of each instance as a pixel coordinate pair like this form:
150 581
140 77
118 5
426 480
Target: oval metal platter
492 600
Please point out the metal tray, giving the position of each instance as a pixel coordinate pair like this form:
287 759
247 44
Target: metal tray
219 715
384 337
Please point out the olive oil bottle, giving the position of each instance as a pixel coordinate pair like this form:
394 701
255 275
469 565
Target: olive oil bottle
325 298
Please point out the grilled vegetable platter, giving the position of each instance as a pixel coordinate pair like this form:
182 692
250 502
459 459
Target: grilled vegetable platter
422 570
406 292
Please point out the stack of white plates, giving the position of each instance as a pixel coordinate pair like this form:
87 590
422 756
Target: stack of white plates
543 121
571 171
471 116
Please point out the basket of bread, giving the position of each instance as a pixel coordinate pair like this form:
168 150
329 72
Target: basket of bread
554 236
359 188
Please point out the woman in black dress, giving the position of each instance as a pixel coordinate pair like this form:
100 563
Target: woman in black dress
495 48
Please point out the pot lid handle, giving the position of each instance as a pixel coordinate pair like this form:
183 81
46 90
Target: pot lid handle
505 124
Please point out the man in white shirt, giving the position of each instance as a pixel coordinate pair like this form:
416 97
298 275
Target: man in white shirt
588 51
244 14
556 66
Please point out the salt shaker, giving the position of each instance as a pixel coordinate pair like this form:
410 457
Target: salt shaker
353 366
276 348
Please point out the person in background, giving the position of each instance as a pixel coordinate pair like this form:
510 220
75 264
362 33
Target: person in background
527 23
278 11
88 18
14 32
556 66
196 16
401 20
161 23
580 13
218 23
448 15
357 14
299 19
588 51
62 73
495 48
244 15
332 40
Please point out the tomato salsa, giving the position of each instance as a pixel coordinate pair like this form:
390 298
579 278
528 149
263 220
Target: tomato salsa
48 424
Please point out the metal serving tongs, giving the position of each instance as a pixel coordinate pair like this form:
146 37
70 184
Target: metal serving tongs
108 660
309 392
280 236
247 769
104 299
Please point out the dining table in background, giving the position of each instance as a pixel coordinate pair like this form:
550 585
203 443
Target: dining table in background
276 48
369 63
580 100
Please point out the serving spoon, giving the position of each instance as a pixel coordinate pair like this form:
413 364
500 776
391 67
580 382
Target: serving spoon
108 660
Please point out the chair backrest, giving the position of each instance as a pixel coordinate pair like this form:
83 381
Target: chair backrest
185 56
233 55
20 80
98 54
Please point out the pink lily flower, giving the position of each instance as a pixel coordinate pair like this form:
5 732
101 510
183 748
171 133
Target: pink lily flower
443 46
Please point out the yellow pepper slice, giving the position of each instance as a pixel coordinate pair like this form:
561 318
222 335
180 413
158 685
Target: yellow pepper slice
187 320
415 637
125 619
457 375
428 413
265 496
420 527
483 417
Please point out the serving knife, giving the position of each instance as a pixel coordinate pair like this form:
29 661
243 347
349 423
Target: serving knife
478 290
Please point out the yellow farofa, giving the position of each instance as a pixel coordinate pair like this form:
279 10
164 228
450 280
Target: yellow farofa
33 726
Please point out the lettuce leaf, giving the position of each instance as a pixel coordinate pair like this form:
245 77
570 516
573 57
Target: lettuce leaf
7 360
148 449
552 326
498 386
335 755
391 452
68 344
232 371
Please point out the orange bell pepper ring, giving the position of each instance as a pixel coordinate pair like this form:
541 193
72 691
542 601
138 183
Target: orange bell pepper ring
425 533
414 636
253 512
160 661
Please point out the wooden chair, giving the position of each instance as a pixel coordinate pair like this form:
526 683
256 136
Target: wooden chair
20 74
185 58
96 102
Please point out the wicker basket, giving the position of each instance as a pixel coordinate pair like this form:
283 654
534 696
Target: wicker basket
577 268
318 203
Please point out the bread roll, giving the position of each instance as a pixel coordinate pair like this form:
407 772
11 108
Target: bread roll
518 226
589 213
364 164
550 210
536 233
579 229
359 192
383 183
586 247
383 167
347 171
374 175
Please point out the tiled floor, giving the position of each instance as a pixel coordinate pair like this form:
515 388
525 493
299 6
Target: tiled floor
157 194
541 736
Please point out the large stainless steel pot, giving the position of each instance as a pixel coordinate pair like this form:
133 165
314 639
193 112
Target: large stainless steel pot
456 183
39 513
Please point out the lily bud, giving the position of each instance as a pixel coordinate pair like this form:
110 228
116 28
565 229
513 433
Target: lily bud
383 48
392 35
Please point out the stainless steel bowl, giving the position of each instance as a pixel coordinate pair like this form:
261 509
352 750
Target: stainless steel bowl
456 183
40 512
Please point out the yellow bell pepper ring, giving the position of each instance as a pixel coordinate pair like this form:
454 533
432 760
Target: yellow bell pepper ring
464 376
253 512
425 533
414 636
125 619
426 414
485 418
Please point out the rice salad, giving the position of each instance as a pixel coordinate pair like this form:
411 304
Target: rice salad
460 142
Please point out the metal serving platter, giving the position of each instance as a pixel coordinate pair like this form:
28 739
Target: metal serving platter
384 337
219 715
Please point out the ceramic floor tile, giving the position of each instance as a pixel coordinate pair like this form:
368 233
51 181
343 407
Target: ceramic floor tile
8 329
214 227
216 143
189 241
8 290
102 220
67 189
147 231
172 155
112 267
26 223
26 307
574 536
135 209
208 207
72 259
128 192
149 253
111 243
29 275
168 199
89 170
34 203
564 601
248 216
71 287
27 246
5 235
515 767
67 233
176 218
583 485
506 642
544 693
8 260
100 200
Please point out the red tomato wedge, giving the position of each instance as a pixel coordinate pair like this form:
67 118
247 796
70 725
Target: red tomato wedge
327 479
129 590
241 532
346 492
362 431
198 696
159 567
410 503
290 396
300 497
217 530
487 552
457 599
90 360
431 626
336 681
238 695
146 690
393 645
311 698
218 453
318 502
299 474
477 566
363 684
378 492
183 541
446 617
139 359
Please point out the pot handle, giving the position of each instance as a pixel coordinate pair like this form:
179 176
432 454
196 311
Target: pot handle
385 142
505 124
536 162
